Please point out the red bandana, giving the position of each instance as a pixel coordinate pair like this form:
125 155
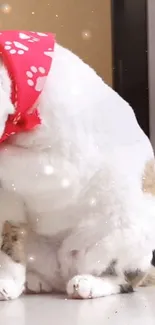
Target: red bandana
27 57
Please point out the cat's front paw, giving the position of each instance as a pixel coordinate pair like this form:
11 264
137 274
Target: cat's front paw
9 289
34 284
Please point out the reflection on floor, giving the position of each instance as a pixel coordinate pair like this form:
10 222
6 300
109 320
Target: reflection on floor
135 309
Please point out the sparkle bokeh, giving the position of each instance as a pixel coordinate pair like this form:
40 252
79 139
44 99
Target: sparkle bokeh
86 34
5 8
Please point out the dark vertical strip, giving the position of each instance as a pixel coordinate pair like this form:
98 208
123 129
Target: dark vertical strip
130 59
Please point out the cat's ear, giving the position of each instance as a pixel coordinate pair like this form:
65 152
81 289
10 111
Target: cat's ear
7 228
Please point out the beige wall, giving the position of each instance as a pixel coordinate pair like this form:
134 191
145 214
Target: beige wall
81 25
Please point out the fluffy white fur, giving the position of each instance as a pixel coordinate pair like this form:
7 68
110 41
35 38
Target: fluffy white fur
79 180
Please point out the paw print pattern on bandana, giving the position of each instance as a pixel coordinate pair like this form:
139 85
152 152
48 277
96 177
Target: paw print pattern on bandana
15 48
49 53
30 39
40 34
36 77
28 58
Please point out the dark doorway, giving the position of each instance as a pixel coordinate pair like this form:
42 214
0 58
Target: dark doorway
130 63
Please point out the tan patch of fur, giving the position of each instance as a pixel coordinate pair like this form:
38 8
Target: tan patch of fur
13 242
149 280
148 178
136 279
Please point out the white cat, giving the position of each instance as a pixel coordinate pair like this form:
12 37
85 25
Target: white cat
86 180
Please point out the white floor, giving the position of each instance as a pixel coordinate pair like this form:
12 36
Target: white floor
133 309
